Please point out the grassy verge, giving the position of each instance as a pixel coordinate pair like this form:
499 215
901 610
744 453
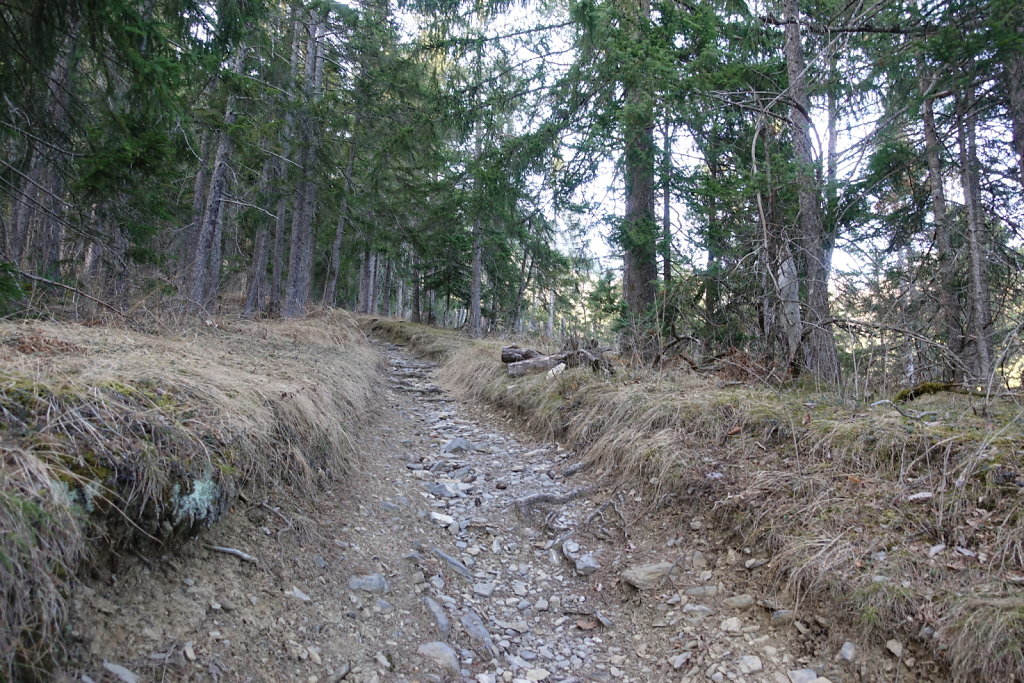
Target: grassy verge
115 439
911 524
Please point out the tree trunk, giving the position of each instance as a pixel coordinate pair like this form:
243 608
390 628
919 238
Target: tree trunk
477 277
383 304
977 244
331 284
417 307
1014 70
37 229
943 237
666 207
712 289
818 345
188 237
367 281
201 290
525 275
300 256
638 237
551 314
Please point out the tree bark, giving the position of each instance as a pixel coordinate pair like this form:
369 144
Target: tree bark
300 256
1014 70
190 235
476 283
818 345
666 206
331 284
977 243
417 308
37 229
943 235
201 290
367 281
638 236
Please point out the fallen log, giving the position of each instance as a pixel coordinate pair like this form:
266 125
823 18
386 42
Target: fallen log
539 362
517 354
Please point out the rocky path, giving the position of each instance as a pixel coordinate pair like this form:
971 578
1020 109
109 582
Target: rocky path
461 552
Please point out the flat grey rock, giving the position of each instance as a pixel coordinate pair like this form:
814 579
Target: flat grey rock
586 564
124 675
647 576
847 653
369 583
479 634
440 654
458 445
739 602
444 627
802 676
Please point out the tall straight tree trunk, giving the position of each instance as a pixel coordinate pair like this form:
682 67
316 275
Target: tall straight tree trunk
37 228
256 281
417 290
551 315
712 288
943 237
525 275
476 284
384 302
300 256
1014 77
284 174
331 283
201 290
666 206
187 238
818 345
977 243
639 232
277 264
367 281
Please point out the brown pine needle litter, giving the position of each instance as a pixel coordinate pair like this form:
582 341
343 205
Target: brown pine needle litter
112 438
906 524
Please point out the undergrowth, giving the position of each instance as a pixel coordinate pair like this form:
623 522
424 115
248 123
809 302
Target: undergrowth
908 521
114 439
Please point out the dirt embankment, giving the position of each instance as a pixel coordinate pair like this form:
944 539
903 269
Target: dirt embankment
118 440
902 521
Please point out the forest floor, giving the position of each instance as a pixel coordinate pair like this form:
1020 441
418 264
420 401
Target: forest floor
460 549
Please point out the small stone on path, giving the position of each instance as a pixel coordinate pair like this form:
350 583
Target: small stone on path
123 674
294 592
586 565
750 664
441 654
458 445
802 676
732 625
739 602
440 617
647 576
369 583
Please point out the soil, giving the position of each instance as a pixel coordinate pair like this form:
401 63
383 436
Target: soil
504 552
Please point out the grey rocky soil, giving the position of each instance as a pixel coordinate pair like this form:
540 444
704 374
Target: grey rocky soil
460 551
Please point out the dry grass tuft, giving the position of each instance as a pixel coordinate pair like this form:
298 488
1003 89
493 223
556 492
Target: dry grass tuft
122 438
890 517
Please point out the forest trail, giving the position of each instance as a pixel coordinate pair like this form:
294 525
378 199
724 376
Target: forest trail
459 551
